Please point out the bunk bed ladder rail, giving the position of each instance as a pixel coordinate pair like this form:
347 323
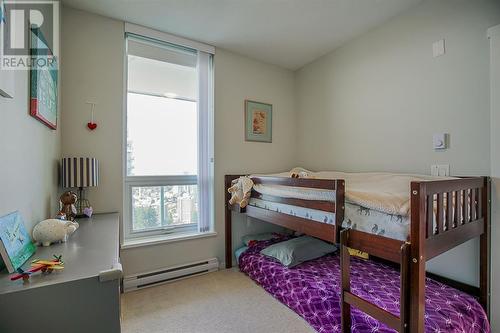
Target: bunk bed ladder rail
401 323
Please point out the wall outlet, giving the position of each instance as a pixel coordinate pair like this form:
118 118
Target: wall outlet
442 170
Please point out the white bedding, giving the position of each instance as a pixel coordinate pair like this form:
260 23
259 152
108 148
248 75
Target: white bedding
385 192
307 213
355 216
375 222
295 192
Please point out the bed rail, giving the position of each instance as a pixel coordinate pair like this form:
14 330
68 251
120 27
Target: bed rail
328 184
325 231
453 212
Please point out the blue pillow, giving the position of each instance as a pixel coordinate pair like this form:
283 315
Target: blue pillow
298 250
239 252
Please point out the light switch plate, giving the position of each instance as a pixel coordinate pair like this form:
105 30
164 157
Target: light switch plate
438 48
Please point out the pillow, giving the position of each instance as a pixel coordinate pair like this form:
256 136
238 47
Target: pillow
258 237
239 252
297 250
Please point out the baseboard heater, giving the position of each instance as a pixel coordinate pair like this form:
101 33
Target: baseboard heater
169 274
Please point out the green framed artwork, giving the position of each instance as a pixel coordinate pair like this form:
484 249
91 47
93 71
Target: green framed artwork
15 242
258 121
43 80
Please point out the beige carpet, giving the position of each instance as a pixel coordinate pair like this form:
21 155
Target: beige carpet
224 301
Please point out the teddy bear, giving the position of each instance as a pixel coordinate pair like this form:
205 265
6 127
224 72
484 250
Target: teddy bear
300 173
68 200
53 231
240 191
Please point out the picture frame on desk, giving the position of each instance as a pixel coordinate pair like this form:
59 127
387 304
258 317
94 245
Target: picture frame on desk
15 243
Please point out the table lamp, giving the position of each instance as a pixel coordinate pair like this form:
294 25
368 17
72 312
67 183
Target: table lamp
80 172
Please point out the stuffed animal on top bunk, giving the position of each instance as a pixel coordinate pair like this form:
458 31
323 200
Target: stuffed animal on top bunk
300 173
240 191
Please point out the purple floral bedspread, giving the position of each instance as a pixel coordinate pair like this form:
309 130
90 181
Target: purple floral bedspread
312 290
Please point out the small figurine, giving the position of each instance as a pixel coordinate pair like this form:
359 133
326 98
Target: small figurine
68 200
88 211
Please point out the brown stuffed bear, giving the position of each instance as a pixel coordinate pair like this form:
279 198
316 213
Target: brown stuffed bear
68 200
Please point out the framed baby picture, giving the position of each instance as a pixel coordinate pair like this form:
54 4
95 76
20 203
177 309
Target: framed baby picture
258 121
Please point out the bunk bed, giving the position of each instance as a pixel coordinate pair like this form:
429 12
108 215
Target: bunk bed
443 214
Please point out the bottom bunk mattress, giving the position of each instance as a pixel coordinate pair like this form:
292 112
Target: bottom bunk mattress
312 290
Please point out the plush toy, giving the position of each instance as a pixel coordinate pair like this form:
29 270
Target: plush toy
300 173
53 231
240 191
68 200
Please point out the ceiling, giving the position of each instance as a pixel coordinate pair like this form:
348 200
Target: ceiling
287 33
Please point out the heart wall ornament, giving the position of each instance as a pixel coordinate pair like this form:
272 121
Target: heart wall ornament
91 125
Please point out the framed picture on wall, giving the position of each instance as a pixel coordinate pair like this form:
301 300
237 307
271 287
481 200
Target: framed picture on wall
258 121
43 80
6 76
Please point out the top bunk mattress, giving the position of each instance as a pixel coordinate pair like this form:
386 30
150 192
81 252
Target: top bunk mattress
384 192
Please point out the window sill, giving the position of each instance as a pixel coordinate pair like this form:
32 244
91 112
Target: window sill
161 239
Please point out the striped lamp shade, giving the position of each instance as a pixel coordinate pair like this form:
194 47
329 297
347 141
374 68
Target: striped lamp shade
80 172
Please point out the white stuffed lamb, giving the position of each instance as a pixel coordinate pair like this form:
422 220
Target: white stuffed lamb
53 231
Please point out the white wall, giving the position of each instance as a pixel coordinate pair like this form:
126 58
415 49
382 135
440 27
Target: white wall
494 34
238 78
374 103
93 68
29 157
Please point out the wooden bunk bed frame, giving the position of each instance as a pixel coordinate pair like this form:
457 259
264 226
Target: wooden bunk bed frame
462 213
327 232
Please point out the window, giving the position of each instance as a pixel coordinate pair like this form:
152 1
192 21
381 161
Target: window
169 138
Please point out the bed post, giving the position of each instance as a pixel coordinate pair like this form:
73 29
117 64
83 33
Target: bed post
339 207
417 250
404 288
345 267
484 245
228 221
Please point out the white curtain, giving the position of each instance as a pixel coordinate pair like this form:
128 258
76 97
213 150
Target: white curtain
205 142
